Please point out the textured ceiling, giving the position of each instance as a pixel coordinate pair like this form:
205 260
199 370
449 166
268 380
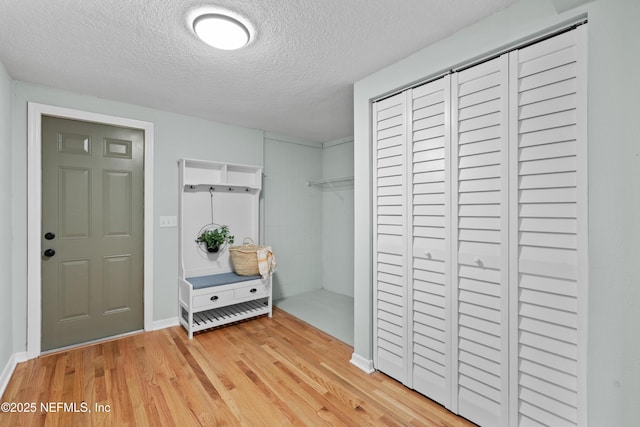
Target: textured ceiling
296 78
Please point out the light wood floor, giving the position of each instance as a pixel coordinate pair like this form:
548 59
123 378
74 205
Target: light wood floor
262 372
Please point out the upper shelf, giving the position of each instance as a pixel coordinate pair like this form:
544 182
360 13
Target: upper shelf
200 175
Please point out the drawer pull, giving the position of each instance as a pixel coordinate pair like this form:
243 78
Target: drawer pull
253 290
214 298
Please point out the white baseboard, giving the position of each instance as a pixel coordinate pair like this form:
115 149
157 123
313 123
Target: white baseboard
362 363
9 368
165 323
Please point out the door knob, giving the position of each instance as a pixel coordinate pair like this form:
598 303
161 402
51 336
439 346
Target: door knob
49 252
49 236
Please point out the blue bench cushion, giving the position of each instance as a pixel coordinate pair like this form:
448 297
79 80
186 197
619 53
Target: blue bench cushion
218 279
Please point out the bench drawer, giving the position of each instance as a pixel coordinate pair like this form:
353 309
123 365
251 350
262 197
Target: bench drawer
250 291
213 299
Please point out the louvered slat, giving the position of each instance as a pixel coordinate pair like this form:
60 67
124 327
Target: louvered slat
480 120
547 191
389 246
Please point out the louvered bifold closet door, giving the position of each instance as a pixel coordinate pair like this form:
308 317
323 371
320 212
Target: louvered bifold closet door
549 225
390 242
480 238
429 304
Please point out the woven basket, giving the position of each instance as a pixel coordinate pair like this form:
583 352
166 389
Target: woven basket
245 258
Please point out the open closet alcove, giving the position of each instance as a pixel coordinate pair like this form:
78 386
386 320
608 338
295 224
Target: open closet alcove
314 240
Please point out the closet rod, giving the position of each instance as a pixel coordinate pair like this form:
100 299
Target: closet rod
329 180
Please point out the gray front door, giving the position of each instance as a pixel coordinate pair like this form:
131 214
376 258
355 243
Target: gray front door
92 231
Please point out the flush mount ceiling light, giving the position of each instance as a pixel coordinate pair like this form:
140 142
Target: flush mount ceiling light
221 31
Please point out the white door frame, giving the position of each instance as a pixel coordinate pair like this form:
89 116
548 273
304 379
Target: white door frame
34 211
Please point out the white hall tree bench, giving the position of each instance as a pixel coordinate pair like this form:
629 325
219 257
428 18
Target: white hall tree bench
219 299
210 293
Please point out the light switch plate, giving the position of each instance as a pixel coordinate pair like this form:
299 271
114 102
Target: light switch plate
168 221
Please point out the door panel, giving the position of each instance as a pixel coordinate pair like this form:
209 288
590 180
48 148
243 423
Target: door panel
117 201
117 272
429 181
92 201
73 295
480 230
389 219
549 230
75 193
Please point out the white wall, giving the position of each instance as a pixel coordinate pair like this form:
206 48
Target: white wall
614 213
337 218
293 214
6 254
613 379
176 136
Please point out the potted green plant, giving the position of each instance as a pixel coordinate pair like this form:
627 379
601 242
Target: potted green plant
216 238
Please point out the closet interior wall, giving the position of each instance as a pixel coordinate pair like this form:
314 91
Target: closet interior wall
480 236
337 218
293 215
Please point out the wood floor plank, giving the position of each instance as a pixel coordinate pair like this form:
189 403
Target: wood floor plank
275 371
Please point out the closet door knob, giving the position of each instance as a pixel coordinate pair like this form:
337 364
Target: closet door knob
49 235
214 298
49 253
